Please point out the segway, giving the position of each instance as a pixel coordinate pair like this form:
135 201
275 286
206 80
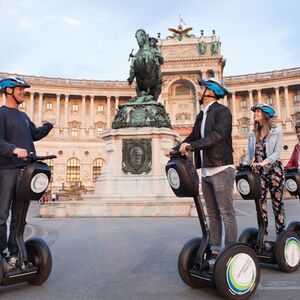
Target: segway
285 251
34 262
292 184
235 272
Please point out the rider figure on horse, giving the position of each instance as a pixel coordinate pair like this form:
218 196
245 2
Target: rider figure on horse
145 65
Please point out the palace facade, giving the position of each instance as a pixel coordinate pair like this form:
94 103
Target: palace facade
85 109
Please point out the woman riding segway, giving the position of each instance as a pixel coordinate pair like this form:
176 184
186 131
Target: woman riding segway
263 158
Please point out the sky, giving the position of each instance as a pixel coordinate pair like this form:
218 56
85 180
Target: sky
91 39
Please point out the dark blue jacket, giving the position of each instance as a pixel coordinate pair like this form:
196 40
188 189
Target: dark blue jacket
17 131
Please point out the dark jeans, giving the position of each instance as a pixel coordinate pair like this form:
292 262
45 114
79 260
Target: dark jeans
8 181
217 191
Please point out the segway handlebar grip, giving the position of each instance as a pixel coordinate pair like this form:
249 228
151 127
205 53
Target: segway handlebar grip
244 167
33 157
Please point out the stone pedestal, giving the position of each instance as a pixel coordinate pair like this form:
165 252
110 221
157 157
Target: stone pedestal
133 181
127 175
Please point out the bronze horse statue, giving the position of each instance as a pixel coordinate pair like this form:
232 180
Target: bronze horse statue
145 66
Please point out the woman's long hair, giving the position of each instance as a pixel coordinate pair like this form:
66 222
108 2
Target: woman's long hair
262 130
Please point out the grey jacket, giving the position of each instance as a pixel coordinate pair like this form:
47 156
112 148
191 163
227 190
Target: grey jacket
274 143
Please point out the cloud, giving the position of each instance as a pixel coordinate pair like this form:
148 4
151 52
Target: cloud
50 18
27 3
26 24
10 12
71 21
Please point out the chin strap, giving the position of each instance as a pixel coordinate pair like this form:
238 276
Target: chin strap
209 96
206 96
12 94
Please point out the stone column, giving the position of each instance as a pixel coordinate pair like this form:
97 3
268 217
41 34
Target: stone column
83 117
259 96
251 104
108 125
234 114
225 101
57 123
31 107
40 116
250 98
288 111
83 125
92 112
66 119
278 108
91 130
3 99
116 103
57 110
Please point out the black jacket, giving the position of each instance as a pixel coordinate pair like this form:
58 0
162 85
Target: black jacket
217 142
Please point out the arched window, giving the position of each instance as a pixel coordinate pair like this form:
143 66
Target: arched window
97 167
73 170
50 164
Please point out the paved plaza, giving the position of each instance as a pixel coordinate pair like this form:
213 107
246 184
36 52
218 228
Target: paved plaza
133 258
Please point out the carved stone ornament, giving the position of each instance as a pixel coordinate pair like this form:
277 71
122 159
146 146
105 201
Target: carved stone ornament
137 156
146 114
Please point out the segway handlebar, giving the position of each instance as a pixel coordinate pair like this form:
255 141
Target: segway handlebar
33 157
177 154
244 167
291 170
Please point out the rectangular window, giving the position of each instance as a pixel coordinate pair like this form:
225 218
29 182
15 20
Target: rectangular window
74 132
100 108
23 105
297 98
244 103
270 101
75 107
49 106
245 129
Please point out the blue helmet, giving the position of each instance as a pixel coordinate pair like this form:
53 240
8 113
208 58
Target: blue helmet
268 109
216 85
13 82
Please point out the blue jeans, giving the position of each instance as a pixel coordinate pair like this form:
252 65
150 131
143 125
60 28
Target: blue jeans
8 180
217 191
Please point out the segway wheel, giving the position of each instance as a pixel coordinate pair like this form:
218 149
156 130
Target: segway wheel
287 251
186 261
237 272
249 237
40 256
294 226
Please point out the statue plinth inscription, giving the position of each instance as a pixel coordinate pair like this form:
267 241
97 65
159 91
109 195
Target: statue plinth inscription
137 156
